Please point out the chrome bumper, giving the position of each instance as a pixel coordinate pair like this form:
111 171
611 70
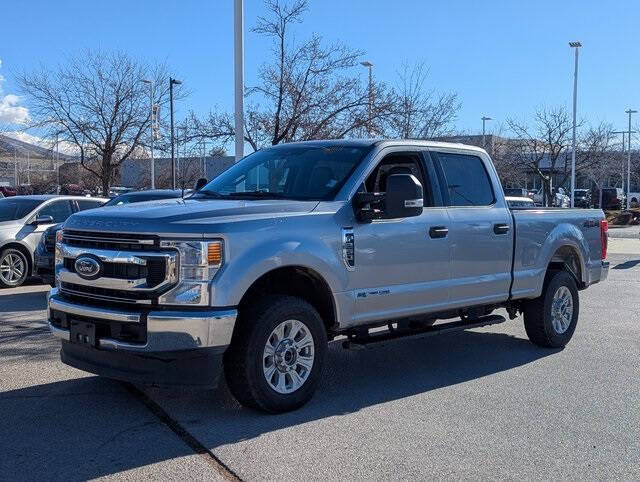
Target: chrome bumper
166 330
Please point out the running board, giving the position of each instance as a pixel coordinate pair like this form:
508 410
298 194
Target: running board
361 341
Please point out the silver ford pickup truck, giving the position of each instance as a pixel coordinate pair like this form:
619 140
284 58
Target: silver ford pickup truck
300 244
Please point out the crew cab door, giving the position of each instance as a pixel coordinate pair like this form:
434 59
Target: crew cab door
401 266
480 230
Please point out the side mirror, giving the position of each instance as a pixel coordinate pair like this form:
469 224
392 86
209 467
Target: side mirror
200 183
403 199
42 220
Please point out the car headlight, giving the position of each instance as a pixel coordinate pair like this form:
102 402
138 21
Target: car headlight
199 261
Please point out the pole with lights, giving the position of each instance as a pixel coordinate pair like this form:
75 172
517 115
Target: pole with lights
152 122
172 82
238 60
576 46
629 111
369 65
484 119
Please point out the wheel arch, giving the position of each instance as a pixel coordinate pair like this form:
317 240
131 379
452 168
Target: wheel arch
295 280
569 258
24 250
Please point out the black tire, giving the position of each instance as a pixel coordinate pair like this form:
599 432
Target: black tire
243 364
5 255
538 312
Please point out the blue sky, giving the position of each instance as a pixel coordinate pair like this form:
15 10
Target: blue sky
503 58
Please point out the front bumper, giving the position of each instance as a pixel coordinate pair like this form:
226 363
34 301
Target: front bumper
180 347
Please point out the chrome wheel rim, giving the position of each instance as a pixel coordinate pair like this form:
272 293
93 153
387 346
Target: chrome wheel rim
288 356
12 268
561 310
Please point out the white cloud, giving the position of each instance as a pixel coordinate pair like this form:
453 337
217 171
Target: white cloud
10 110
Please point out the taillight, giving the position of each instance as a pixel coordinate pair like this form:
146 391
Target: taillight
604 227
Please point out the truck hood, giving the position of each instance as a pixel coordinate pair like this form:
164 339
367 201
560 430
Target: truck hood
183 216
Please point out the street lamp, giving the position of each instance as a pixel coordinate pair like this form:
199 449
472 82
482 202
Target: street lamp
484 119
369 65
152 122
238 58
629 111
172 82
576 46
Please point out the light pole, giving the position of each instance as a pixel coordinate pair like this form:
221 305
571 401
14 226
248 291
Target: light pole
622 164
369 65
58 163
152 122
576 46
629 111
484 119
238 57
172 81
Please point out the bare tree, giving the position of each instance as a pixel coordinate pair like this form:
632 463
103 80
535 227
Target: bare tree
309 90
597 155
97 103
418 112
539 147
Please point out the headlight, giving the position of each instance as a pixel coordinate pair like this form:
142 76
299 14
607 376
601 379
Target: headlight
199 262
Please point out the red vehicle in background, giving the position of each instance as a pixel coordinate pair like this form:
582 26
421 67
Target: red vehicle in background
72 189
8 191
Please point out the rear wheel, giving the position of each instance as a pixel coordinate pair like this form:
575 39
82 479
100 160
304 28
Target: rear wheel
551 319
14 268
277 354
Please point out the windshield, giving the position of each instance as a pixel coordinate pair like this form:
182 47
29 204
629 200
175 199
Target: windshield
16 208
292 172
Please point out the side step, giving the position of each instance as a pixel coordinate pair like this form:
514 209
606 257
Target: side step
361 341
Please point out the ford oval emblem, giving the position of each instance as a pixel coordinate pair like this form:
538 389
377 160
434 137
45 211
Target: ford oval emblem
88 267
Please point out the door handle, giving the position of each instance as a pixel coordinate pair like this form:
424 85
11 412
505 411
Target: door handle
438 231
501 228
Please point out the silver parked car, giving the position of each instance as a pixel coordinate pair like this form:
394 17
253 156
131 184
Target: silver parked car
23 219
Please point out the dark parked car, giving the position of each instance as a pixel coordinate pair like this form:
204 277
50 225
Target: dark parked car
44 255
140 196
612 198
516 192
582 198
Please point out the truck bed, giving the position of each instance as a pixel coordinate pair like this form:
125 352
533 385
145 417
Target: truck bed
540 232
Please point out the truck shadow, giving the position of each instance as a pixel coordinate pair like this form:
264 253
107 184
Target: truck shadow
627 264
354 380
91 427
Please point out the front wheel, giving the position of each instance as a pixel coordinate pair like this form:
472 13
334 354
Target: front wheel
551 319
277 354
14 268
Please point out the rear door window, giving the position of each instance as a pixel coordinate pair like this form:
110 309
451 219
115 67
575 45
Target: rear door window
466 179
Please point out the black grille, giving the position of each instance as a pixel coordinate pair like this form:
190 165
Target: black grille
130 242
154 271
105 293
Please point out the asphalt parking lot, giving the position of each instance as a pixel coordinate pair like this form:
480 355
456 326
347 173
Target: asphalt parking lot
483 403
